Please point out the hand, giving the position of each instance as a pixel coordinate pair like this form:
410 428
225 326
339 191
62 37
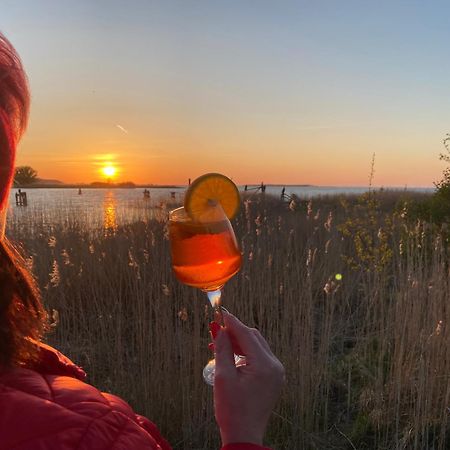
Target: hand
244 396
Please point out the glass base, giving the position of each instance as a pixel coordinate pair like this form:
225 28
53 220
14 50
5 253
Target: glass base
210 368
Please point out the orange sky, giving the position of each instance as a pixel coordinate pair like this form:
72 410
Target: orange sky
290 93
171 156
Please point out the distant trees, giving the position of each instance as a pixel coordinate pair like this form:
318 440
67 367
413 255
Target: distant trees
437 208
440 205
107 184
24 175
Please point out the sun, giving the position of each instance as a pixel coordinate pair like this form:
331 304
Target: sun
109 171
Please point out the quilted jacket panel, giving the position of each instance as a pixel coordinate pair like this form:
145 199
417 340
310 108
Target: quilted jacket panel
49 407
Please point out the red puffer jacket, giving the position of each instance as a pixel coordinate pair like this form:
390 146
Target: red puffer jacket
49 407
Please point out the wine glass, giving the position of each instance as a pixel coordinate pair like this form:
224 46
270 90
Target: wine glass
205 254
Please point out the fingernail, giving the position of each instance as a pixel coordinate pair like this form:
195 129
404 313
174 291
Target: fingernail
214 328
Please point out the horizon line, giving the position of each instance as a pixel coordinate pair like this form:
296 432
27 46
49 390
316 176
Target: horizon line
180 185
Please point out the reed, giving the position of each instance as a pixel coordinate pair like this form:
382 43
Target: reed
351 295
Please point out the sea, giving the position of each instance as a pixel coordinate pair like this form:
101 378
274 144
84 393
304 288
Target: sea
108 208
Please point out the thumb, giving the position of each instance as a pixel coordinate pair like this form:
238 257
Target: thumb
224 354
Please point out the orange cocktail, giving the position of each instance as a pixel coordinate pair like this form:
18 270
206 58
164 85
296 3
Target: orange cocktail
204 254
204 250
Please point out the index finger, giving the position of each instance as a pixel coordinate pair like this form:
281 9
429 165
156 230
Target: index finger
245 338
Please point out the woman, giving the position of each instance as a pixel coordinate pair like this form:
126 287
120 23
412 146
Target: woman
44 401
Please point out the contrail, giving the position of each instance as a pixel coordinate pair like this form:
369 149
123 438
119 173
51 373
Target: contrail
121 128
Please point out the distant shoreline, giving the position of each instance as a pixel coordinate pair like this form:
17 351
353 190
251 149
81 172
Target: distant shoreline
87 186
181 186
139 186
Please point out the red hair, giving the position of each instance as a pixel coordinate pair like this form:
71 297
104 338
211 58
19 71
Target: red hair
22 316
14 107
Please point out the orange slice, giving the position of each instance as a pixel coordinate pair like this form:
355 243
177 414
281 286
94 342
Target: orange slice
209 189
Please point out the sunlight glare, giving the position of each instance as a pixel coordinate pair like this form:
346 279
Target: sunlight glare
109 171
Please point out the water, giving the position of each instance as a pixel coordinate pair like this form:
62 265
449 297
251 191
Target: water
93 209
109 208
307 192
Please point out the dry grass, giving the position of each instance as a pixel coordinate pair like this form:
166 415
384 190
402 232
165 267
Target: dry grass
367 357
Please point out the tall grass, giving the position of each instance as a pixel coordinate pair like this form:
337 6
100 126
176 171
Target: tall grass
352 297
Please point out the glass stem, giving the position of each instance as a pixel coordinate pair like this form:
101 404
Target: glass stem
215 300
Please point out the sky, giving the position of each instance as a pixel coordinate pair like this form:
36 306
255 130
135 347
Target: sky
285 92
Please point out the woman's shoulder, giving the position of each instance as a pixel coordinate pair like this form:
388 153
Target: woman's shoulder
57 411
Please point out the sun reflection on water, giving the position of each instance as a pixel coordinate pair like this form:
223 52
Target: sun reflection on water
109 212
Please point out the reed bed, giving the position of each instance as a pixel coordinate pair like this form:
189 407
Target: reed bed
351 294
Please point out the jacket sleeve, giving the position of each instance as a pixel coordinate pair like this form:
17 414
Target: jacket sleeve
244 446
152 429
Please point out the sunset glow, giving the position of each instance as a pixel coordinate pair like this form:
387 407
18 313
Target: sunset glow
267 99
109 171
